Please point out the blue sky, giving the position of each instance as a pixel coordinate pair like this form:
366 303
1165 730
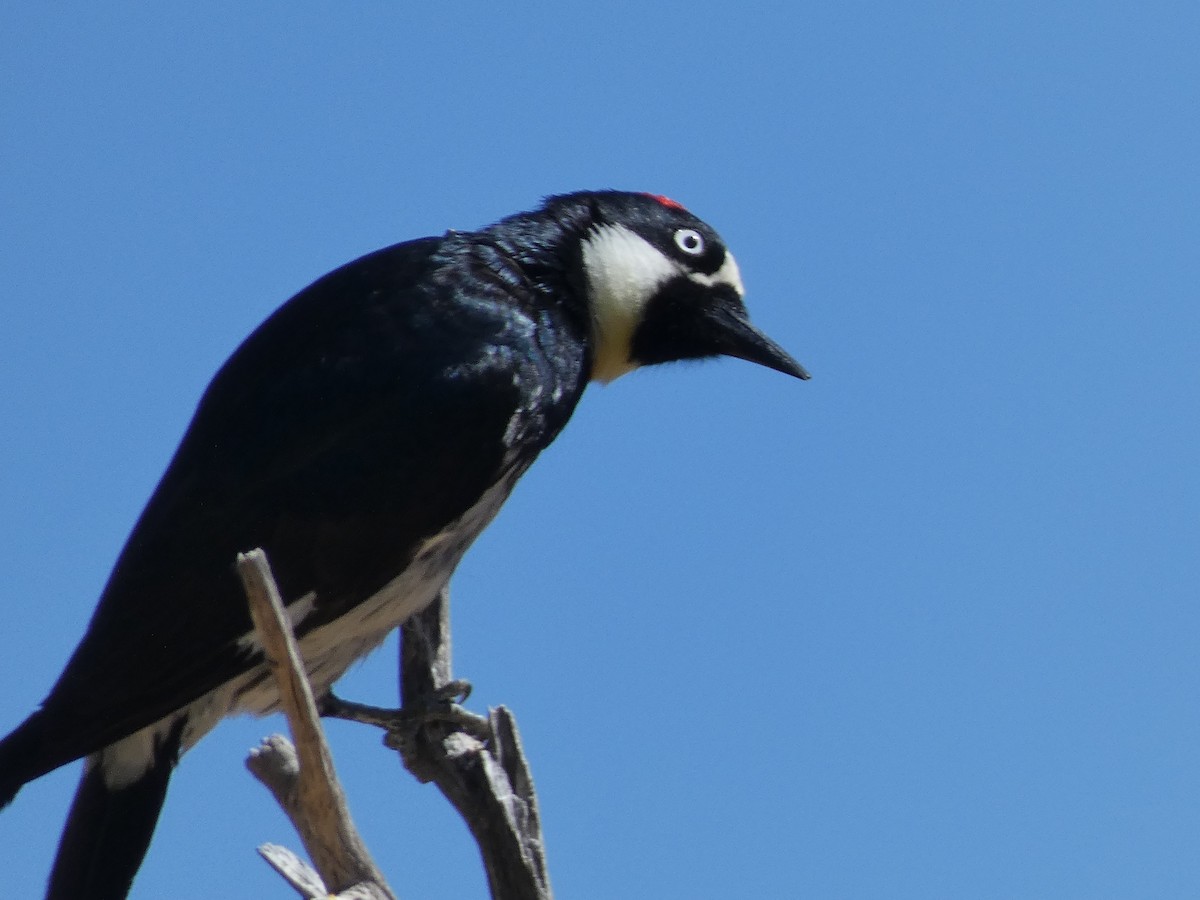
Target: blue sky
925 626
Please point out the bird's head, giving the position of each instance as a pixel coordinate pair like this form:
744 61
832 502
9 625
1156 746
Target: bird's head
661 286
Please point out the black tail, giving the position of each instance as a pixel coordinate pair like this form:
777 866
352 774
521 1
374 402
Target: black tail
108 830
26 754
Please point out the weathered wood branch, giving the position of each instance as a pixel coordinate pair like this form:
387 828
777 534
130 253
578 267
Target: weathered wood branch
488 781
304 782
478 763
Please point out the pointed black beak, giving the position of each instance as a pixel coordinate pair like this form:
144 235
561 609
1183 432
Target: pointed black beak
696 320
735 336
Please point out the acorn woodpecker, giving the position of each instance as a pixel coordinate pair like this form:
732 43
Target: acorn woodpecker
363 436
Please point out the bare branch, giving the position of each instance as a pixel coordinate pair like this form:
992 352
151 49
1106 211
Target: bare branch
294 870
308 790
487 781
477 763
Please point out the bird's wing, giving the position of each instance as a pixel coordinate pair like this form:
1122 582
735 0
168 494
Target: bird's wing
365 415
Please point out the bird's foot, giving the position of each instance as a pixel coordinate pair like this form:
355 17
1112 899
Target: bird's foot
406 727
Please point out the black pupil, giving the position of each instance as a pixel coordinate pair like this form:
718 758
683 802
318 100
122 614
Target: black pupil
690 242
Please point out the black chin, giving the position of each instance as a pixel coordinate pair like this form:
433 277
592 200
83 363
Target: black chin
690 321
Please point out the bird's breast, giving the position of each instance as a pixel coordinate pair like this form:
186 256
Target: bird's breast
329 650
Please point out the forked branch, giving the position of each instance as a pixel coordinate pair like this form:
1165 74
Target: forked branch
477 763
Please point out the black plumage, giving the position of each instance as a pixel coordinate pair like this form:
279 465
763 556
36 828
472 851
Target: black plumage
363 436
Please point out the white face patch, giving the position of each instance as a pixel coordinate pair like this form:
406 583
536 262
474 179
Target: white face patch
624 271
727 274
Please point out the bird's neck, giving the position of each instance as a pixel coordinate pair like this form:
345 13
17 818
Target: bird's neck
545 250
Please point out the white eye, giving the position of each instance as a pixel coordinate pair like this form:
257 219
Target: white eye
689 241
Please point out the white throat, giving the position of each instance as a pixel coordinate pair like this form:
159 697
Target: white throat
624 271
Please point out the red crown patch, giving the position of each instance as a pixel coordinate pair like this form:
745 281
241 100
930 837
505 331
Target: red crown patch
666 201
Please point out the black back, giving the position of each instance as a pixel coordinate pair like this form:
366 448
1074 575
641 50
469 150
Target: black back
365 415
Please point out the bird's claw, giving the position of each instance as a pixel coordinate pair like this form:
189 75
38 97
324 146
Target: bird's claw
441 707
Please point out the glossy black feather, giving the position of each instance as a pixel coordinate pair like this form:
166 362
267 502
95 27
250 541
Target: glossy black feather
364 433
108 832
365 415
